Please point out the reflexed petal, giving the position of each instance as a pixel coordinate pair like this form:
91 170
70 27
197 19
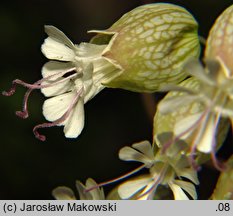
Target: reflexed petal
55 67
129 188
90 50
63 193
130 154
170 104
81 191
98 193
144 147
148 195
189 173
57 89
188 187
178 192
75 122
58 35
207 134
186 123
56 50
50 70
55 107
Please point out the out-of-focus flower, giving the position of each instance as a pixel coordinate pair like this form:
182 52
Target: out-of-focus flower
215 96
220 41
164 169
214 93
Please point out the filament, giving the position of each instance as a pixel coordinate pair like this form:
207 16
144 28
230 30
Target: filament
58 121
37 85
116 179
156 182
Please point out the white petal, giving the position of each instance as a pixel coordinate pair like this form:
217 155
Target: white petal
55 107
81 191
188 187
186 124
207 135
54 71
55 67
75 123
97 194
129 188
178 192
190 174
58 35
90 50
144 147
148 194
129 154
53 49
57 89
63 193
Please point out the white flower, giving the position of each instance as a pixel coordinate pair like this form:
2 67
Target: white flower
73 76
65 193
163 170
214 94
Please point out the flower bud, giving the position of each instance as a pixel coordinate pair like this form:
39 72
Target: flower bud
150 44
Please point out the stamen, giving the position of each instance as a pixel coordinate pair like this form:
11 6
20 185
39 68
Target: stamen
156 182
219 166
37 85
24 113
174 140
11 91
58 121
116 179
197 139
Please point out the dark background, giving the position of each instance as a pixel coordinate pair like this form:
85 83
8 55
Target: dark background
30 169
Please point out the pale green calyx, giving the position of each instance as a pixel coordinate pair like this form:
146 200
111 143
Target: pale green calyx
220 40
151 44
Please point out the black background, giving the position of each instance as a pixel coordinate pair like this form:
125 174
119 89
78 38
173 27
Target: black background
30 169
